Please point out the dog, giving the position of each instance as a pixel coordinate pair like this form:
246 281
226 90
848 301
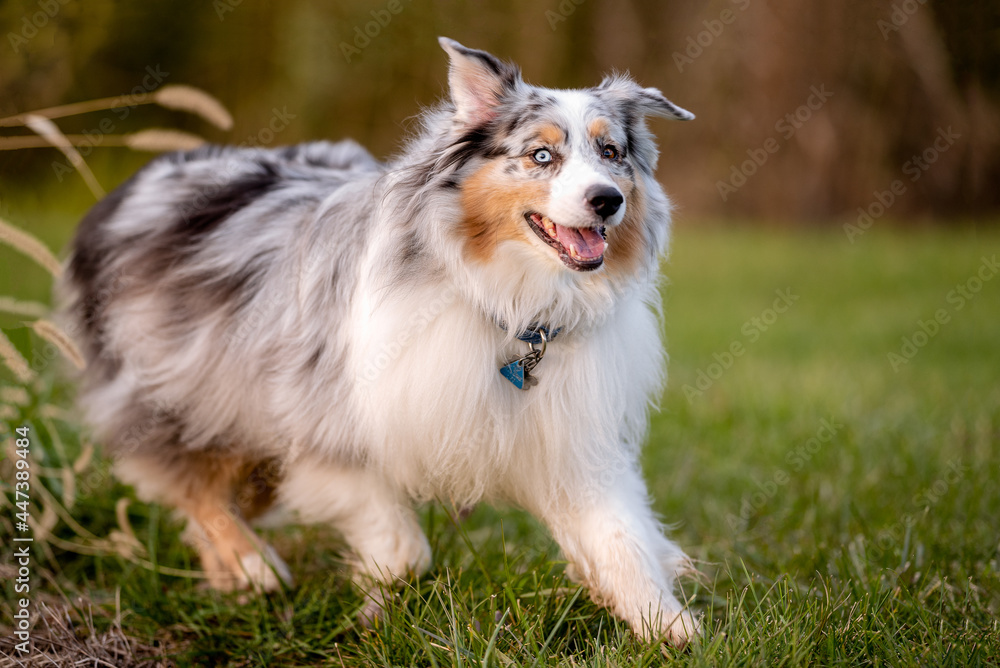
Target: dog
309 329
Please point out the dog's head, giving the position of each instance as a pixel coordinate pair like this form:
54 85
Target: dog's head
567 174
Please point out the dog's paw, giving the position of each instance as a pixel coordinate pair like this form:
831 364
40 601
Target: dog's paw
672 625
263 571
680 628
372 612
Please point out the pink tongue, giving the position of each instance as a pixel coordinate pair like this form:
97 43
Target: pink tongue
588 241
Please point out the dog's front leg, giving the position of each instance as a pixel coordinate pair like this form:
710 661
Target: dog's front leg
616 547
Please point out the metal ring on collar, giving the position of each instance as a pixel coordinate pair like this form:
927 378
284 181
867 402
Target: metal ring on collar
545 340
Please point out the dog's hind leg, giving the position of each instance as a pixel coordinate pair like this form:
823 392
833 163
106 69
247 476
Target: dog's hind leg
204 488
379 526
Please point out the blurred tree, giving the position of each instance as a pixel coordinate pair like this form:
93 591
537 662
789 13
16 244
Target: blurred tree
806 111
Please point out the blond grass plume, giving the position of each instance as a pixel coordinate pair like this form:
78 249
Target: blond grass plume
15 361
27 309
196 101
23 242
45 128
158 140
17 396
61 340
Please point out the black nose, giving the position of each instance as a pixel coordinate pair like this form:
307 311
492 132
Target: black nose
604 200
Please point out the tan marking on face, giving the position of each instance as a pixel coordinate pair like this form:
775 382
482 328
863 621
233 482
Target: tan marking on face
551 135
494 204
599 128
627 241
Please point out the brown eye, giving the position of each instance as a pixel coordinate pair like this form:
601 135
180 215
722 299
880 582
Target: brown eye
610 153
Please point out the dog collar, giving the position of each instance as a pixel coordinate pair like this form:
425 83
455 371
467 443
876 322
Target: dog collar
518 371
533 332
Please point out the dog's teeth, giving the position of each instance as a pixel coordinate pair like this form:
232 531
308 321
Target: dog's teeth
573 252
550 228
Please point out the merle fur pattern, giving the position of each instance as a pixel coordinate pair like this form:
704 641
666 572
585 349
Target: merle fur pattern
314 308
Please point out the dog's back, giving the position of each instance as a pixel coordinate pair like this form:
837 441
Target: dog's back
202 248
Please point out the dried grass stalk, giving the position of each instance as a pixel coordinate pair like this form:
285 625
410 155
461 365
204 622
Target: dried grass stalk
65 635
72 109
43 127
15 361
64 471
154 140
127 533
27 309
60 339
28 141
52 411
14 395
21 241
195 101
43 525
83 461
158 140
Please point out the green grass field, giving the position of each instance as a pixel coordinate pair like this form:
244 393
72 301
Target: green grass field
844 506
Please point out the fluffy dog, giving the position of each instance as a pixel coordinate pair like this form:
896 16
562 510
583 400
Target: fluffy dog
476 320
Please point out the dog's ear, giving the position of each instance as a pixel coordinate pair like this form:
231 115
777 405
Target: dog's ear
648 101
478 82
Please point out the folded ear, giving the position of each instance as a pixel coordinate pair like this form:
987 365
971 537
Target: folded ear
478 81
649 101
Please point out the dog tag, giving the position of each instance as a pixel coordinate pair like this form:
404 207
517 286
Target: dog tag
514 372
518 372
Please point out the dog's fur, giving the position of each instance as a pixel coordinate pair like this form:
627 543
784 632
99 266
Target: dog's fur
308 327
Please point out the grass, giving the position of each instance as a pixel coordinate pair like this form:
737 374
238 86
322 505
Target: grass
843 512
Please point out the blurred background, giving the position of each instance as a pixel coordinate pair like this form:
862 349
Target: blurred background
807 112
833 411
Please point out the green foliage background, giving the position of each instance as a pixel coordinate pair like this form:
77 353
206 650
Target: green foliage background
876 544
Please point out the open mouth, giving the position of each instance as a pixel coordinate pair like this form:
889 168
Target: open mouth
580 248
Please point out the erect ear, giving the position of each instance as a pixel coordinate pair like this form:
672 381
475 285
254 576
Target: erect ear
478 82
649 101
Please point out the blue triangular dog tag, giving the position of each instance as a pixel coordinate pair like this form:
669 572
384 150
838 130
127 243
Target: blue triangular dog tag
514 372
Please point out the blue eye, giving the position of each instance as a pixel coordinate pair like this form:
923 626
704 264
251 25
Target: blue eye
542 156
609 153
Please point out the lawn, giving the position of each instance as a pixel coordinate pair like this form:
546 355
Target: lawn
827 450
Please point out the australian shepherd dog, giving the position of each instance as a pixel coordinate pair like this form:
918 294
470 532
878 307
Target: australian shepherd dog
310 330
